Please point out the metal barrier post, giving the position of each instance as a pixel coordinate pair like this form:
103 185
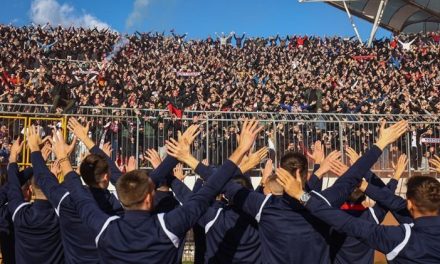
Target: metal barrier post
274 140
137 141
207 138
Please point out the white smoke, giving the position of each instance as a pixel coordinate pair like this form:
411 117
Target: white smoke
120 44
139 13
43 11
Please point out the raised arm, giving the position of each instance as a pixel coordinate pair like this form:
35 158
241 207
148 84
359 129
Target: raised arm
179 188
43 177
15 197
85 204
386 239
315 183
386 196
82 133
181 219
76 84
338 192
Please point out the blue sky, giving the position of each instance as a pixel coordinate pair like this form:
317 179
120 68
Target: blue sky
199 18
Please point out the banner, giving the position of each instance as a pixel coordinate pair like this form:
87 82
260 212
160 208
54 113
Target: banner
187 74
430 140
364 57
85 72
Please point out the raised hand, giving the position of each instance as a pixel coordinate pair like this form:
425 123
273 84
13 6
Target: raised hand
246 139
266 172
325 165
107 148
390 134
435 162
178 172
72 145
338 168
292 184
77 129
190 134
80 131
55 168
153 157
59 146
248 134
45 151
131 164
205 162
253 159
353 156
33 139
178 149
16 149
400 167
363 186
318 153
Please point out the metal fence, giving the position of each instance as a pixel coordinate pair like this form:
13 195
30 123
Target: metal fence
132 131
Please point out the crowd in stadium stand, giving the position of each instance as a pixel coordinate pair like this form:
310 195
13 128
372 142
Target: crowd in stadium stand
47 215
75 66
226 72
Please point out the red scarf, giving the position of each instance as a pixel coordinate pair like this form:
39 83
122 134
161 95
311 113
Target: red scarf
352 207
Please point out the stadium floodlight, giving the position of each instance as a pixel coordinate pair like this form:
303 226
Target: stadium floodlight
350 17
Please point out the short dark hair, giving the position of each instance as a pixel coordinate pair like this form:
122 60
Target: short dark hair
274 186
243 181
133 187
93 168
293 161
424 192
356 196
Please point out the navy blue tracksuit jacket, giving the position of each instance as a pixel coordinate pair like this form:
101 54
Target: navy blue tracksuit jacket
408 243
141 236
288 232
7 241
394 203
231 235
164 202
78 242
36 226
346 249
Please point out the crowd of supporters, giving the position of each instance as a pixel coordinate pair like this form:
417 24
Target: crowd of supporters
226 72
47 215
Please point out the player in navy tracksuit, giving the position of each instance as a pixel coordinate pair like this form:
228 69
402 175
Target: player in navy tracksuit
396 204
306 240
78 241
36 225
199 233
347 249
164 202
407 243
140 236
6 226
231 235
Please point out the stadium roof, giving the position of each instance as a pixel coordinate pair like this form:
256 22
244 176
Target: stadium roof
399 15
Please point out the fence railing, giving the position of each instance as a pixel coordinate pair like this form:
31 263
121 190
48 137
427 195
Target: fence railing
132 131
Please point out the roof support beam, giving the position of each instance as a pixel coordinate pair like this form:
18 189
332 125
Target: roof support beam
352 22
377 20
360 15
